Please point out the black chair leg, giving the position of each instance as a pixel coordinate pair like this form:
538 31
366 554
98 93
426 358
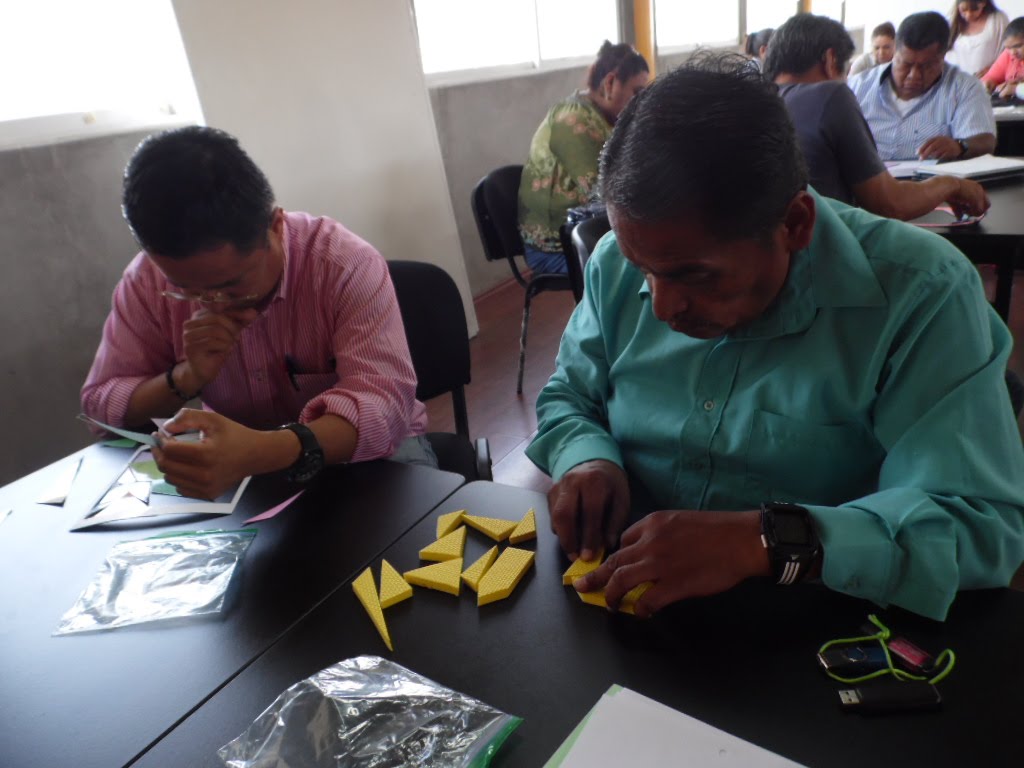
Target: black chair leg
522 342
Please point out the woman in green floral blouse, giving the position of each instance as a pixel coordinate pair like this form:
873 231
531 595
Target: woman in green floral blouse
562 170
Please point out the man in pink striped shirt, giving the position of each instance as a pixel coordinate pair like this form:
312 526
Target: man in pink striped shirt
273 318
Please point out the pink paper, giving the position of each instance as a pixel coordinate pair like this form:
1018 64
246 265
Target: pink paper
273 510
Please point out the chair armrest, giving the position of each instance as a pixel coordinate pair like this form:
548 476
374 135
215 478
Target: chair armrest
483 459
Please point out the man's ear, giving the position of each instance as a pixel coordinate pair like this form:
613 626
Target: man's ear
798 222
830 65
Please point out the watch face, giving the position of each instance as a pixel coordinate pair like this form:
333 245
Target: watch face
791 529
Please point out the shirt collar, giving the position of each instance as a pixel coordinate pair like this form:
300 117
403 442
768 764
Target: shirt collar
281 291
833 271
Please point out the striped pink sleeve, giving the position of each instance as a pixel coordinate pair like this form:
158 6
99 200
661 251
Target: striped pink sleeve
133 349
376 389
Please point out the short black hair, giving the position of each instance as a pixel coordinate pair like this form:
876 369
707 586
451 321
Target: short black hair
190 189
885 29
682 144
1015 28
801 43
923 30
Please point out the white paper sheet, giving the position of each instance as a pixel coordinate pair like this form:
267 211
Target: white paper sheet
625 728
985 165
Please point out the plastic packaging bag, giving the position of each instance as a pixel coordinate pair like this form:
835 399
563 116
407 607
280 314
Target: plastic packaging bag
369 712
164 577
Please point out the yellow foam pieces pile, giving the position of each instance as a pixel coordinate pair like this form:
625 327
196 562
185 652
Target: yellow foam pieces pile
497 529
526 530
449 522
448 547
366 591
393 588
493 576
581 567
502 577
475 572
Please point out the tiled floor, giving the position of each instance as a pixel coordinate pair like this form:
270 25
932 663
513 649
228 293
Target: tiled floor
508 420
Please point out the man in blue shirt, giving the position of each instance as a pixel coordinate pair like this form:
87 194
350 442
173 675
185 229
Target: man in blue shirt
743 342
920 107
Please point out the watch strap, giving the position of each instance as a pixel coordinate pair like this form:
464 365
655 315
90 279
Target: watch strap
311 459
788 533
185 397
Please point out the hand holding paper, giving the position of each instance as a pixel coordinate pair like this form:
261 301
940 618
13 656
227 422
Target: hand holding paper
206 468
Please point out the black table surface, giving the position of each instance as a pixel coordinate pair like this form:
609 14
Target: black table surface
743 661
100 699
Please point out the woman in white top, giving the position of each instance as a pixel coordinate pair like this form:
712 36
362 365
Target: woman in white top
976 35
883 46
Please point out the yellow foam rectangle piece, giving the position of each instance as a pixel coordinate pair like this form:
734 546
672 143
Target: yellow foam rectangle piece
526 530
502 577
582 567
449 522
444 577
393 588
447 547
475 572
593 598
366 591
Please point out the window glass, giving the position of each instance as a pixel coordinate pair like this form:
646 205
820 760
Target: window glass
69 56
573 28
684 22
765 14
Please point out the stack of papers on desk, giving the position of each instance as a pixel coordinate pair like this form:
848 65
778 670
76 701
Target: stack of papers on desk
907 169
625 728
984 167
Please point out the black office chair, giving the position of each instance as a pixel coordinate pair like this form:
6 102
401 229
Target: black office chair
435 327
582 242
495 203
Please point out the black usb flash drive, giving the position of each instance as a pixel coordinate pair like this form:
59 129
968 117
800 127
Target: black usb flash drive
885 696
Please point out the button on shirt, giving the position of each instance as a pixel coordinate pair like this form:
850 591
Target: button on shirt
872 391
957 106
334 320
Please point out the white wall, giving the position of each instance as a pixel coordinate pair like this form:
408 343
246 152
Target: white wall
330 100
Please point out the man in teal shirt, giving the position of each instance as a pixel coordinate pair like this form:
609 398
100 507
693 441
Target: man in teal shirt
743 340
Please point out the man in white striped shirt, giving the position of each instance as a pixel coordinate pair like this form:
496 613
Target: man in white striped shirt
919 106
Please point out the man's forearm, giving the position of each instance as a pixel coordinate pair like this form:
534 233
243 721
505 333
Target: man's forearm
981 144
155 399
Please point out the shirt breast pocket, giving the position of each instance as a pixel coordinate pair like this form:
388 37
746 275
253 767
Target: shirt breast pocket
309 385
793 460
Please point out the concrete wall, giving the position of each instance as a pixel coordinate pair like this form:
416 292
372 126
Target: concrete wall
64 247
485 125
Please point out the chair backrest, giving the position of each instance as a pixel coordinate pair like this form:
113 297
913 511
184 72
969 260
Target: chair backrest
435 327
584 239
495 203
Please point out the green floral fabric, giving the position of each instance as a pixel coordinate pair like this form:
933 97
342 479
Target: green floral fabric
562 170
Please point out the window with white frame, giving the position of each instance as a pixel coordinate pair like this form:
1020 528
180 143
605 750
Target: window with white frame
458 35
770 14
684 23
62 57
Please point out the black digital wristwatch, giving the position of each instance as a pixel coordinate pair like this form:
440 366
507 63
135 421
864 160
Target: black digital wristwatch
788 534
311 460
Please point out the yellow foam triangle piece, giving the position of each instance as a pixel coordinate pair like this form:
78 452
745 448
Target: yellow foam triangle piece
626 604
526 530
444 577
393 588
494 527
447 547
366 591
449 522
475 572
582 567
502 577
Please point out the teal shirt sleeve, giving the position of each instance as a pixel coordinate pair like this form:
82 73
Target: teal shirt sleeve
572 417
947 514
